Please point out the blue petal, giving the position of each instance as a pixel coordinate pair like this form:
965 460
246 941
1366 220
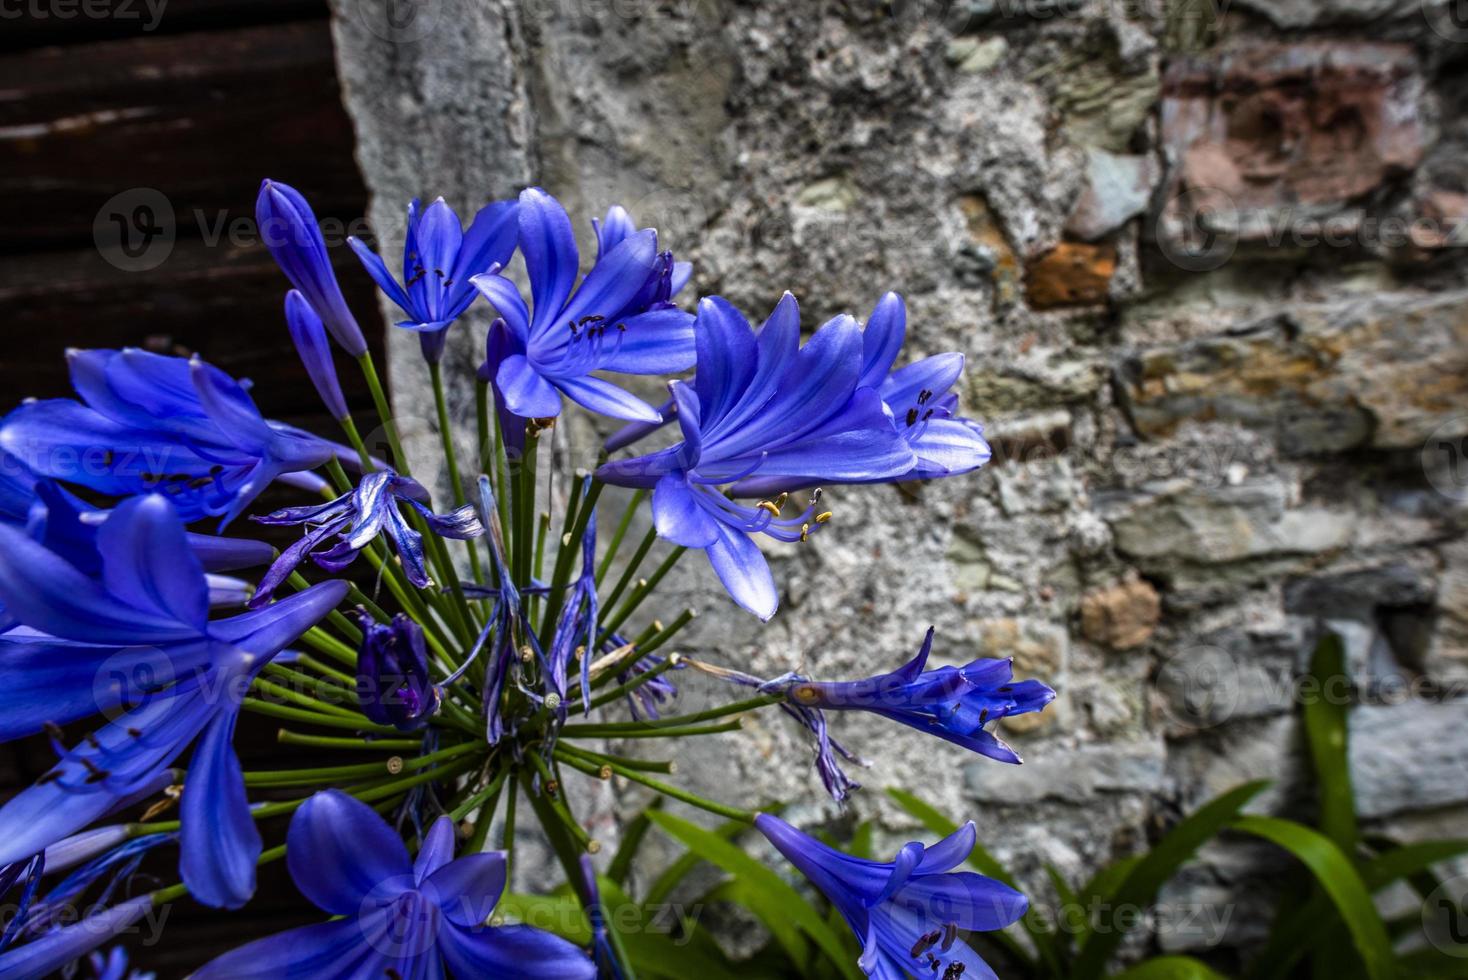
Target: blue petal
857 445
882 339
377 269
727 356
339 850
314 349
439 235
935 374
328 951
513 953
147 561
489 241
611 283
289 229
742 569
655 342
549 247
505 297
265 632
218 842
605 398
777 346
527 394
438 844
641 472
678 516
948 447
468 889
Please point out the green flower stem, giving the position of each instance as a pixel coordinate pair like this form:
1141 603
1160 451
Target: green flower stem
479 799
481 423
578 516
678 721
541 532
287 737
643 590
507 838
629 730
323 642
446 431
692 799
347 628
391 767
615 544
524 504
384 412
173 893
356 595
599 758
287 713
262 686
624 689
306 660
630 572
354 437
665 633
503 491
556 804
323 690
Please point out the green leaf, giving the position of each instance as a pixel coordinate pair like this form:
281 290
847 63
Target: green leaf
656 953
1325 730
621 865
674 874
779 906
1138 889
559 914
1169 968
1408 861
1336 876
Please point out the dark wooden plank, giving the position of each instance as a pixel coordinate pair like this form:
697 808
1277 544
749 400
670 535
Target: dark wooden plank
200 118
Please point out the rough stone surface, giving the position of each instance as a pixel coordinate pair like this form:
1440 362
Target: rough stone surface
1244 421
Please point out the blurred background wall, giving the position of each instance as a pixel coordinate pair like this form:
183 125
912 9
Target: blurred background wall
1204 259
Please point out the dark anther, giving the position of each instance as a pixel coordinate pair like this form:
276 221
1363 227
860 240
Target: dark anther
591 318
954 971
393 974
983 716
92 741
98 776
107 458
923 944
912 416
92 768
447 283
923 396
54 730
1006 689
135 732
50 777
927 415
438 272
950 933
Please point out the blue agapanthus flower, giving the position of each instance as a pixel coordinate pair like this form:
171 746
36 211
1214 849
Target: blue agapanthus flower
171 425
906 912
919 398
288 227
308 334
439 258
113 965
953 703
392 674
395 916
618 319
136 644
355 519
762 405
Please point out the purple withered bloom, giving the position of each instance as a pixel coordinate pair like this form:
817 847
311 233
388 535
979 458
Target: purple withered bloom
51 951
762 404
665 279
602 950
136 643
647 699
395 916
612 321
919 399
149 423
358 517
906 912
392 674
953 703
576 626
289 229
309 335
439 258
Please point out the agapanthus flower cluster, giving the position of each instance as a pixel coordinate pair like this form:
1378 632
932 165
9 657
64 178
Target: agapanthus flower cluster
442 660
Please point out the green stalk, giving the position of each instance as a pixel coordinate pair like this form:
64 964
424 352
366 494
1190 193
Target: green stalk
630 572
355 438
626 730
314 718
622 690
709 714
641 765
643 590
306 660
616 541
692 799
384 412
664 634
307 777
556 805
480 798
287 737
578 516
264 686
324 642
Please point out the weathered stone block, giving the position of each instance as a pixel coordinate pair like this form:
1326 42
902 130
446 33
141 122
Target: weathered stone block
1408 756
1121 616
1071 274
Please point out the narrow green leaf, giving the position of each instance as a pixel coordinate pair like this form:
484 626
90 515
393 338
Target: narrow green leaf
1333 870
779 905
621 865
1408 861
559 914
656 953
1138 889
1325 730
1169 968
674 874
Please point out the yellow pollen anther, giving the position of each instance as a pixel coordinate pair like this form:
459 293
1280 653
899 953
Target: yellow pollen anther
804 532
772 509
823 517
805 694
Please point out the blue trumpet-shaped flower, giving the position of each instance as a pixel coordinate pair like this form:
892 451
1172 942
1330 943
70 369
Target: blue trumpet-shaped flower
439 258
617 319
135 643
906 912
308 333
762 405
953 703
355 519
395 916
392 674
289 229
170 425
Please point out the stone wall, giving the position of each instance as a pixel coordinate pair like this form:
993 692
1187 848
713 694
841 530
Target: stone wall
1203 259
